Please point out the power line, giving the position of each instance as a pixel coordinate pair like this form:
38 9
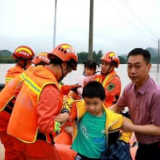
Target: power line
137 17
130 21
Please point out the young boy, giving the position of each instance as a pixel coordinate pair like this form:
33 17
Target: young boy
97 126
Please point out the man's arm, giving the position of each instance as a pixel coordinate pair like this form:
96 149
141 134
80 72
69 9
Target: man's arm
149 129
48 108
116 109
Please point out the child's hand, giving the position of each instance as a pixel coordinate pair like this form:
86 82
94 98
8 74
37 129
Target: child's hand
69 129
75 86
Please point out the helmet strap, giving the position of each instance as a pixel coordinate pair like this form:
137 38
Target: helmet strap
62 73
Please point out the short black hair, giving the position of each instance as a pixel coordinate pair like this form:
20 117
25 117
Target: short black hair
139 51
94 89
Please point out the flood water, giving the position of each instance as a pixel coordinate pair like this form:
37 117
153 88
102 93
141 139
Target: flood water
122 72
72 78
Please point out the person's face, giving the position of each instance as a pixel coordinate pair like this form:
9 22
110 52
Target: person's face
138 70
105 67
89 71
94 106
67 70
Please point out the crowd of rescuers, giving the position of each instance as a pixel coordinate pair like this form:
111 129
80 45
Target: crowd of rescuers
57 66
32 110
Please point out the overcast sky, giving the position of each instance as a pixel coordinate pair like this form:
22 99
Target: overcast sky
119 25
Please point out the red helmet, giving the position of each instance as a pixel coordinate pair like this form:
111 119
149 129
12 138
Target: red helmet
23 53
41 58
111 57
66 53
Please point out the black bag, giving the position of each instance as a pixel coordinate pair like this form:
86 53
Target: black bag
117 151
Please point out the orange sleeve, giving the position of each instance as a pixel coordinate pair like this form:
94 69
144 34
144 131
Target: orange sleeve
116 86
73 112
48 108
13 72
65 89
113 91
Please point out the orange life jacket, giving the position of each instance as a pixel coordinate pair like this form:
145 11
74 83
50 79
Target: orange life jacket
7 94
112 90
7 99
13 72
23 123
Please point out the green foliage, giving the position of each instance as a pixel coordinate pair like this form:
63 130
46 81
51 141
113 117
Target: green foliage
83 56
5 57
154 54
154 60
122 60
5 52
152 51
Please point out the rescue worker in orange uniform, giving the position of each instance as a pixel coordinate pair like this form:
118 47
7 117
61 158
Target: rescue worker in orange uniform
7 100
39 59
33 121
23 56
109 78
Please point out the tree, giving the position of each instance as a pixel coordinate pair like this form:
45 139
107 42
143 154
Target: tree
82 56
5 57
99 55
122 60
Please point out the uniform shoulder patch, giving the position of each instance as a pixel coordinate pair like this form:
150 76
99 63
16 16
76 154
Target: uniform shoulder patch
110 87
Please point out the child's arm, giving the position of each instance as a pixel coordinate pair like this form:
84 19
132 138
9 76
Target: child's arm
70 115
73 112
67 88
80 82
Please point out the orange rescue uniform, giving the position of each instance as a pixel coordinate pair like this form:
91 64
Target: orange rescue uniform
13 72
7 101
32 119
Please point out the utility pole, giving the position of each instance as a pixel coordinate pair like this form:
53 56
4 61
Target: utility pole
90 50
158 54
55 18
